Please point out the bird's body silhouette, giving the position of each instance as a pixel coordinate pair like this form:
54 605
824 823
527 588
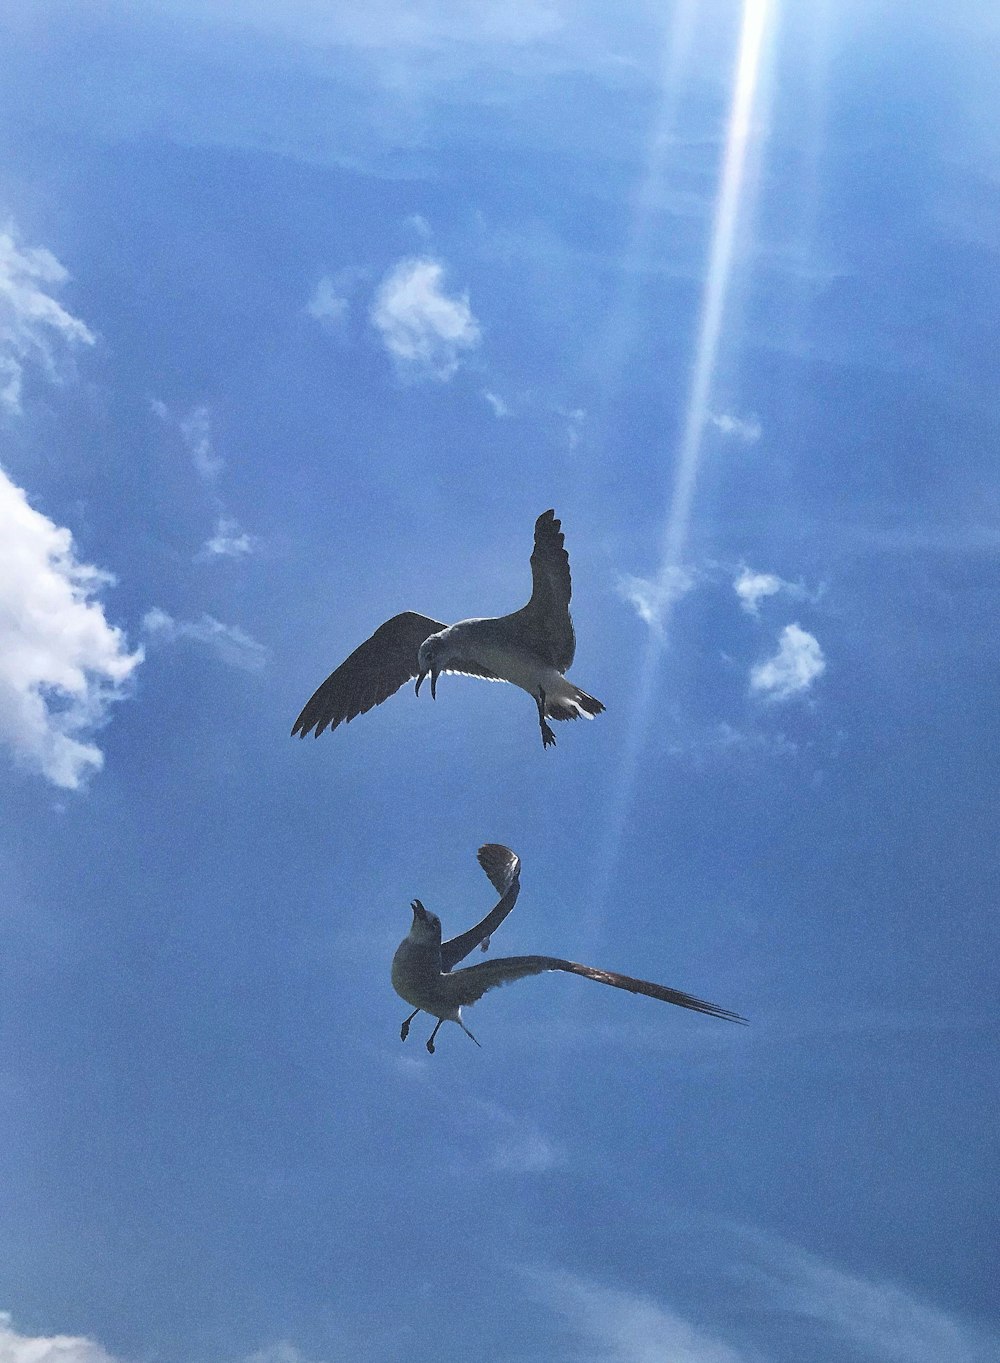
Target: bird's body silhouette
423 974
530 648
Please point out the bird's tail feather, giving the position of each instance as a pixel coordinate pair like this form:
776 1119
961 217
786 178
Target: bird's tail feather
573 705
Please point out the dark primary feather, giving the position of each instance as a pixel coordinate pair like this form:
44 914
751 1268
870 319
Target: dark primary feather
503 868
373 672
501 865
471 983
546 619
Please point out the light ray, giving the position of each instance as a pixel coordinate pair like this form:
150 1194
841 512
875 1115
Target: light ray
732 181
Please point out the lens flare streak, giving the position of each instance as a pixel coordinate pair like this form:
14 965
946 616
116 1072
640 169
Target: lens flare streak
755 21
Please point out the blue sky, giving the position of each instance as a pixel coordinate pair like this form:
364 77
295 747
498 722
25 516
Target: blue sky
306 312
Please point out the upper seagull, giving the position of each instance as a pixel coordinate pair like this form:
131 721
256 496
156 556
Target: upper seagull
532 648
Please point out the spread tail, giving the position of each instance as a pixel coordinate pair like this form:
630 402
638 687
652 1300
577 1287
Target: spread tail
572 704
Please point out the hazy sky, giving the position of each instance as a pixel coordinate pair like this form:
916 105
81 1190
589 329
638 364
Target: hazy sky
307 310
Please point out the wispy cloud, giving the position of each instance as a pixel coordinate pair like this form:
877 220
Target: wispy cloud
793 669
419 224
651 598
885 1321
496 403
233 646
228 541
725 740
834 1314
61 663
33 326
748 429
425 329
328 305
18 1348
616 1326
195 429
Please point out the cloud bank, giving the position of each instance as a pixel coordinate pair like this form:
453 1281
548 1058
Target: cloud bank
61 663
18 1348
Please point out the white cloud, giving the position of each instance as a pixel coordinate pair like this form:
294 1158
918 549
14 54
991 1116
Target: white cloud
30 318
228 541
422 327
17 1348
625 1327
752 587
796 665
61 663
328 305
653 599
500 408
747 429
233 646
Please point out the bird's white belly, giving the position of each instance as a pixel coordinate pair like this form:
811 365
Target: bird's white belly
417 982
510 665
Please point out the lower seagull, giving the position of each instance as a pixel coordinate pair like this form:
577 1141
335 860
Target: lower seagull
423 974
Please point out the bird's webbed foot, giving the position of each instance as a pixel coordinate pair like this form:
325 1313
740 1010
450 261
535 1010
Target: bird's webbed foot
430 1039
404 1031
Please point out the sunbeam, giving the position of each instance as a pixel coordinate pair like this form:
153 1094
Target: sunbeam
756 19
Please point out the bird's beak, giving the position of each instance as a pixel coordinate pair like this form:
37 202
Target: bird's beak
416 689
434 683
418 910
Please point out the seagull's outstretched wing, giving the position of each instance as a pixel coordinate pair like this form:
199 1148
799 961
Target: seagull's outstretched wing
372 673
466 986
545 621
504 870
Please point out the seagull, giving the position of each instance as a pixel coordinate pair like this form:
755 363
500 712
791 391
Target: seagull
531 648
423 974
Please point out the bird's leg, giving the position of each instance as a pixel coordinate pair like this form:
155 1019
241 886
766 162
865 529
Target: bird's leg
430 1039
404 1031
548 737
468 1033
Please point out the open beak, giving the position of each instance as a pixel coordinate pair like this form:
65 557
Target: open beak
420 679
434 683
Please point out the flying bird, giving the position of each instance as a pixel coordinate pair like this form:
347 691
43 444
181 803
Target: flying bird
423 971
531 648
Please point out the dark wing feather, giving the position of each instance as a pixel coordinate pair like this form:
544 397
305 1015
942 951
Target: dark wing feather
504 869
470 984
545 621
372 673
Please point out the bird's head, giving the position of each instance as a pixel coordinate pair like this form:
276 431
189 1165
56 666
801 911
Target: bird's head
426 927
429 662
